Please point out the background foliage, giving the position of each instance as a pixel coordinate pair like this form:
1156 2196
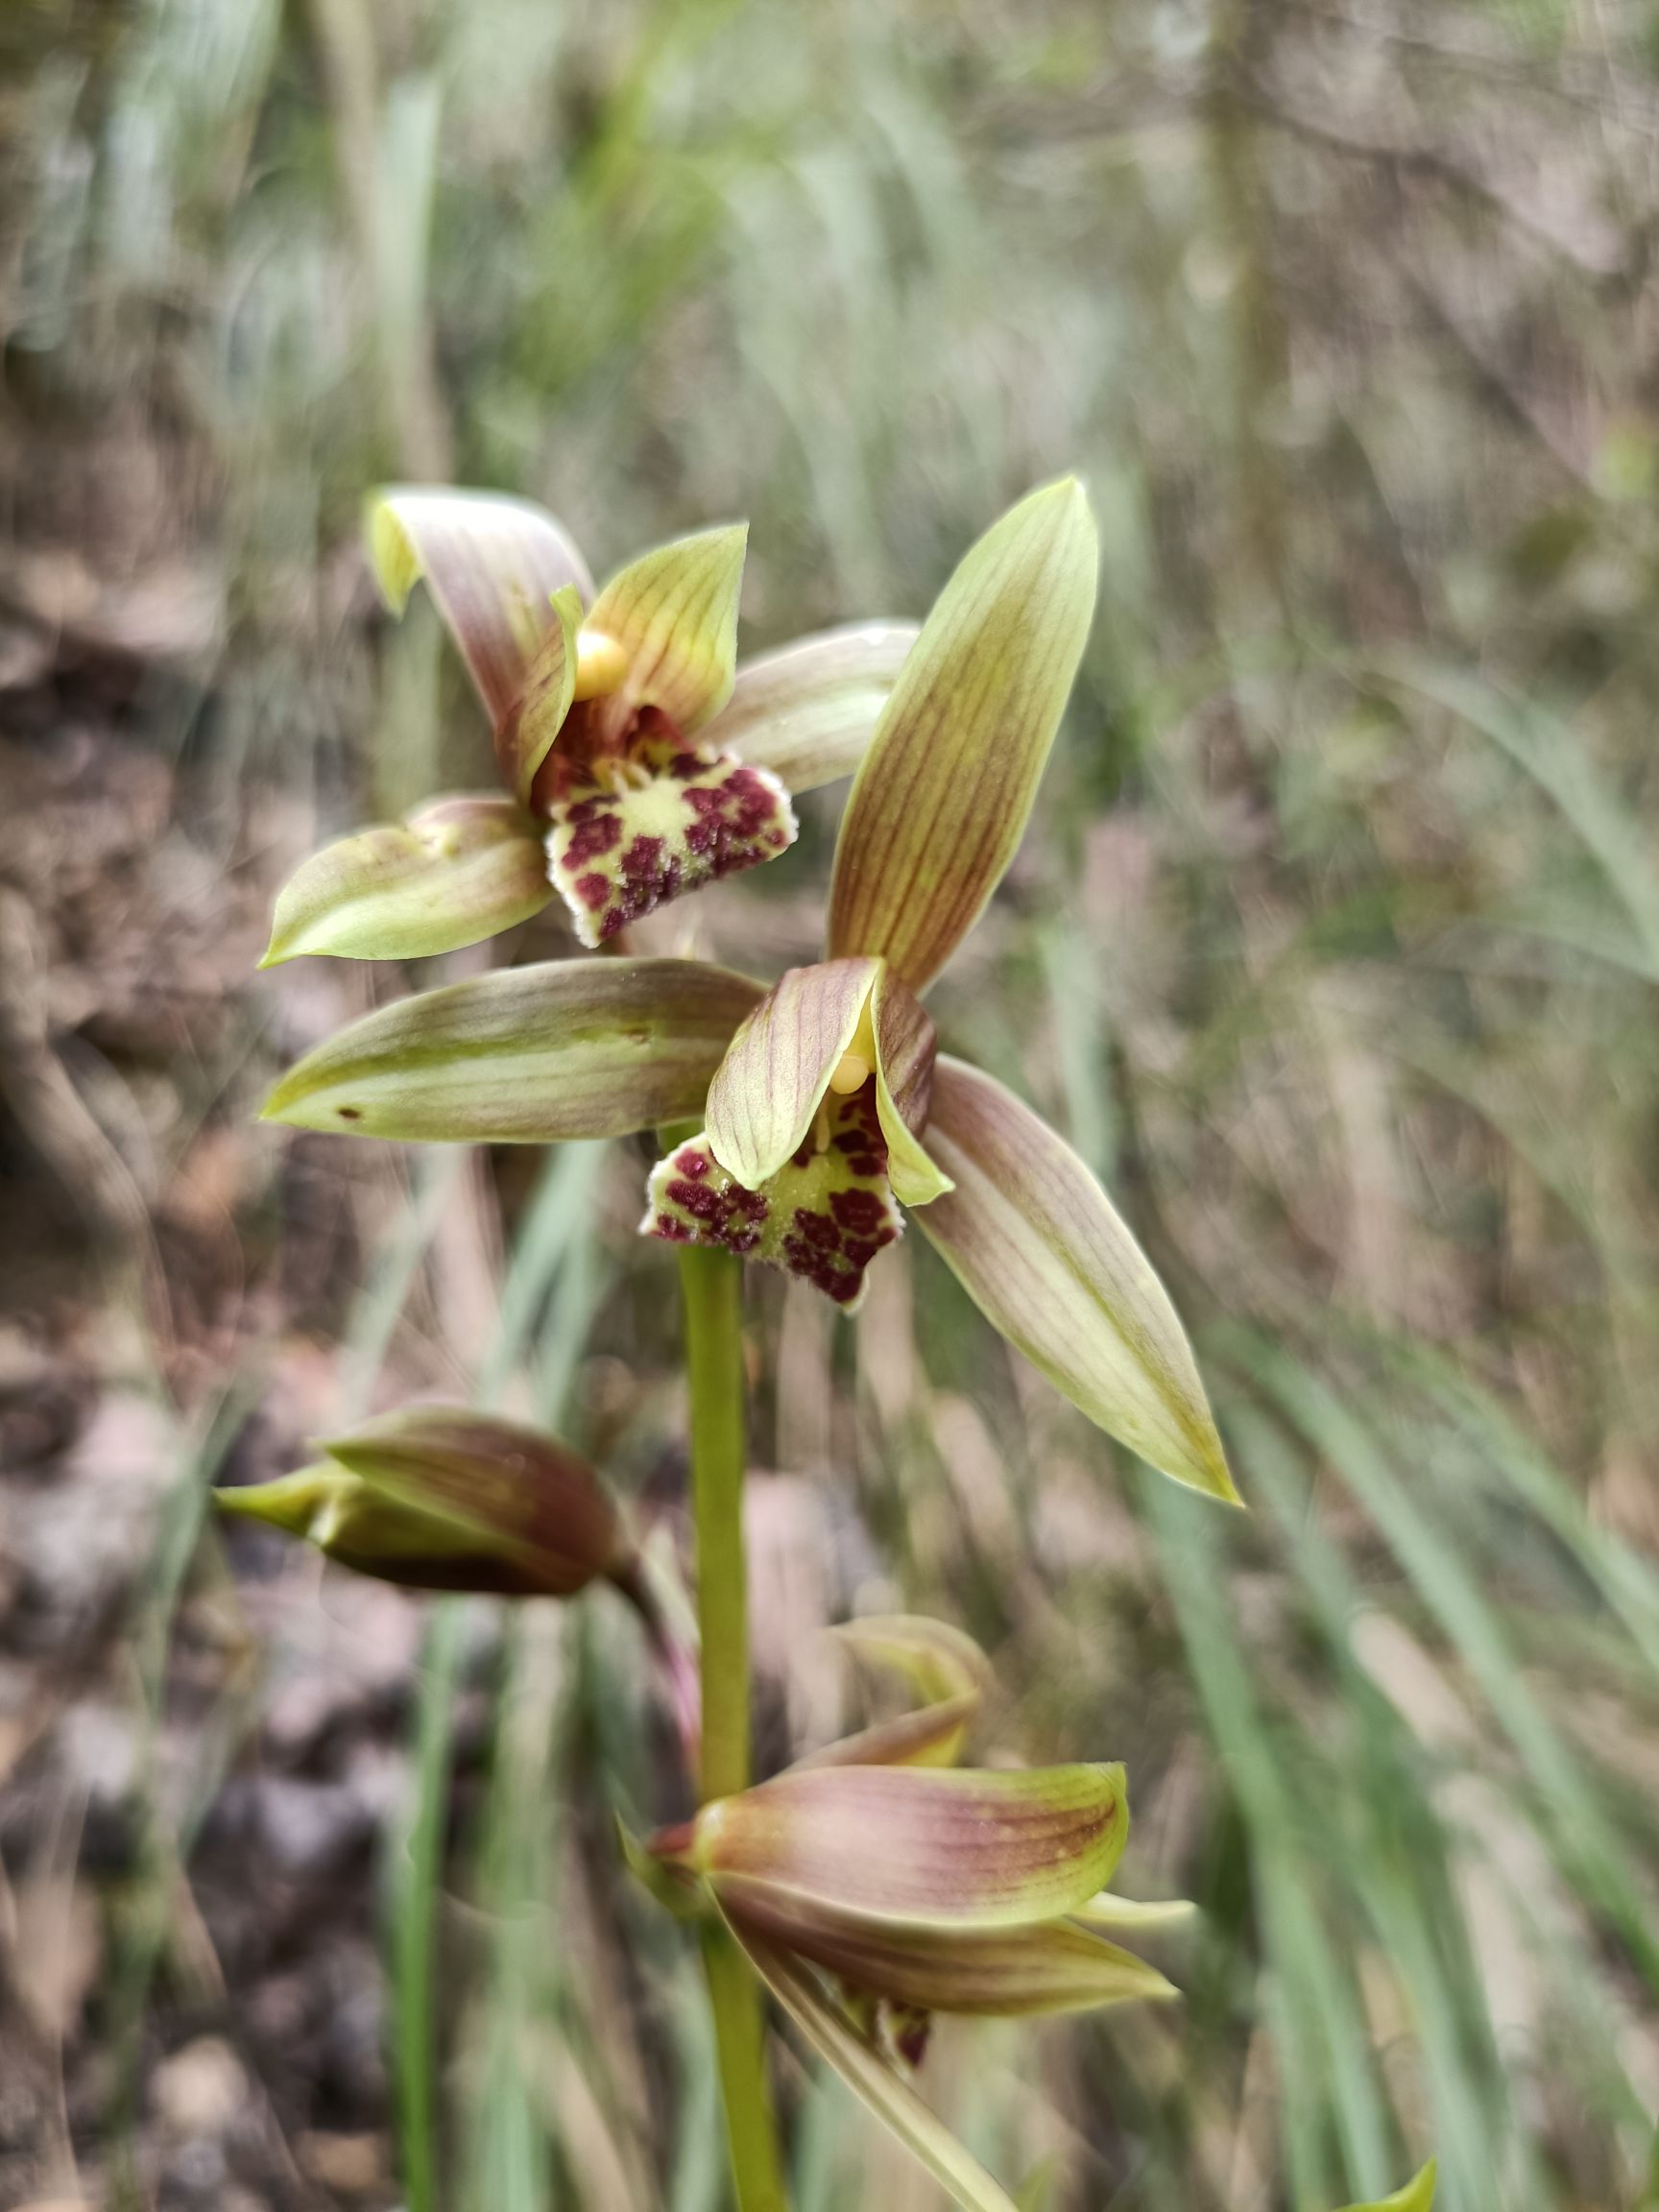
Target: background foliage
1334 950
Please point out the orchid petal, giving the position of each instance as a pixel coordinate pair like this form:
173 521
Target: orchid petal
461 870
1110 1910
771 1083
942 1665
906 1045
913 1847
1417 2196
533 1055
806 711
674 614
874 2079
824 1215
526 734
1039 1248
492 564
943 793
1053 1968
619 849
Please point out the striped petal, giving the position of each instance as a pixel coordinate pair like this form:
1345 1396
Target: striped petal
1010 1972
772 1082
826 1848
673 613
1037 1244
566 1048
459 871
807 710
942 796
526 734
493 565
905 1045
874 2079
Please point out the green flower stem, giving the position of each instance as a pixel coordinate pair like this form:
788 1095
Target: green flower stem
712 1283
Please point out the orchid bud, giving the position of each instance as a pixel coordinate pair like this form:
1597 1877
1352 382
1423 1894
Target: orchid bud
440 1498
460 870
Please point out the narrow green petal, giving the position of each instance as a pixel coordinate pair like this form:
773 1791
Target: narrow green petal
1417 2196
913 1846
874 2081
942 1665
771 1083
906 1045
492 564
530 1056
674 614
459 871
501 1486
1004 1972
524 735
1126 1913
807 710
1040 1248
942 794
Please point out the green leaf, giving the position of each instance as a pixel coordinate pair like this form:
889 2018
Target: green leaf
874 2079
566 1048
1040 1248
914 1848
1417 2196
807 710
771 1083
942 794
674 614
461 870
493 565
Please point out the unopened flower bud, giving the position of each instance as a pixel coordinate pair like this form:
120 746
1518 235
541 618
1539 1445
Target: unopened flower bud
440 1498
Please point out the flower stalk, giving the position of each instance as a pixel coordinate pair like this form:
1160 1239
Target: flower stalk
711 1288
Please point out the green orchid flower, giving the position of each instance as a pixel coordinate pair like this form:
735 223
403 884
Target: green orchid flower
639 761
832 1107
877 1884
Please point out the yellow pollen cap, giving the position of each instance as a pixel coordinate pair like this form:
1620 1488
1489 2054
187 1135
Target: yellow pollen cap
852 1073
601 664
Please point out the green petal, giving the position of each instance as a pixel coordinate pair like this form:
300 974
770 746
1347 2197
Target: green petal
492 564
1039 1248
497 1485
942 795
566 1048
771 1083
906 1045
942 1665
1110 1910
1417 2196
674 614
1005 1972
807 710
914 1848
874 2081
461 870
524 735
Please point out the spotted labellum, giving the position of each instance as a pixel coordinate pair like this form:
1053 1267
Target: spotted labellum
640 760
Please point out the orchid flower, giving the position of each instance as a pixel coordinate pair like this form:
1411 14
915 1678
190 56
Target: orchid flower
877 1884
832 1108
639 759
